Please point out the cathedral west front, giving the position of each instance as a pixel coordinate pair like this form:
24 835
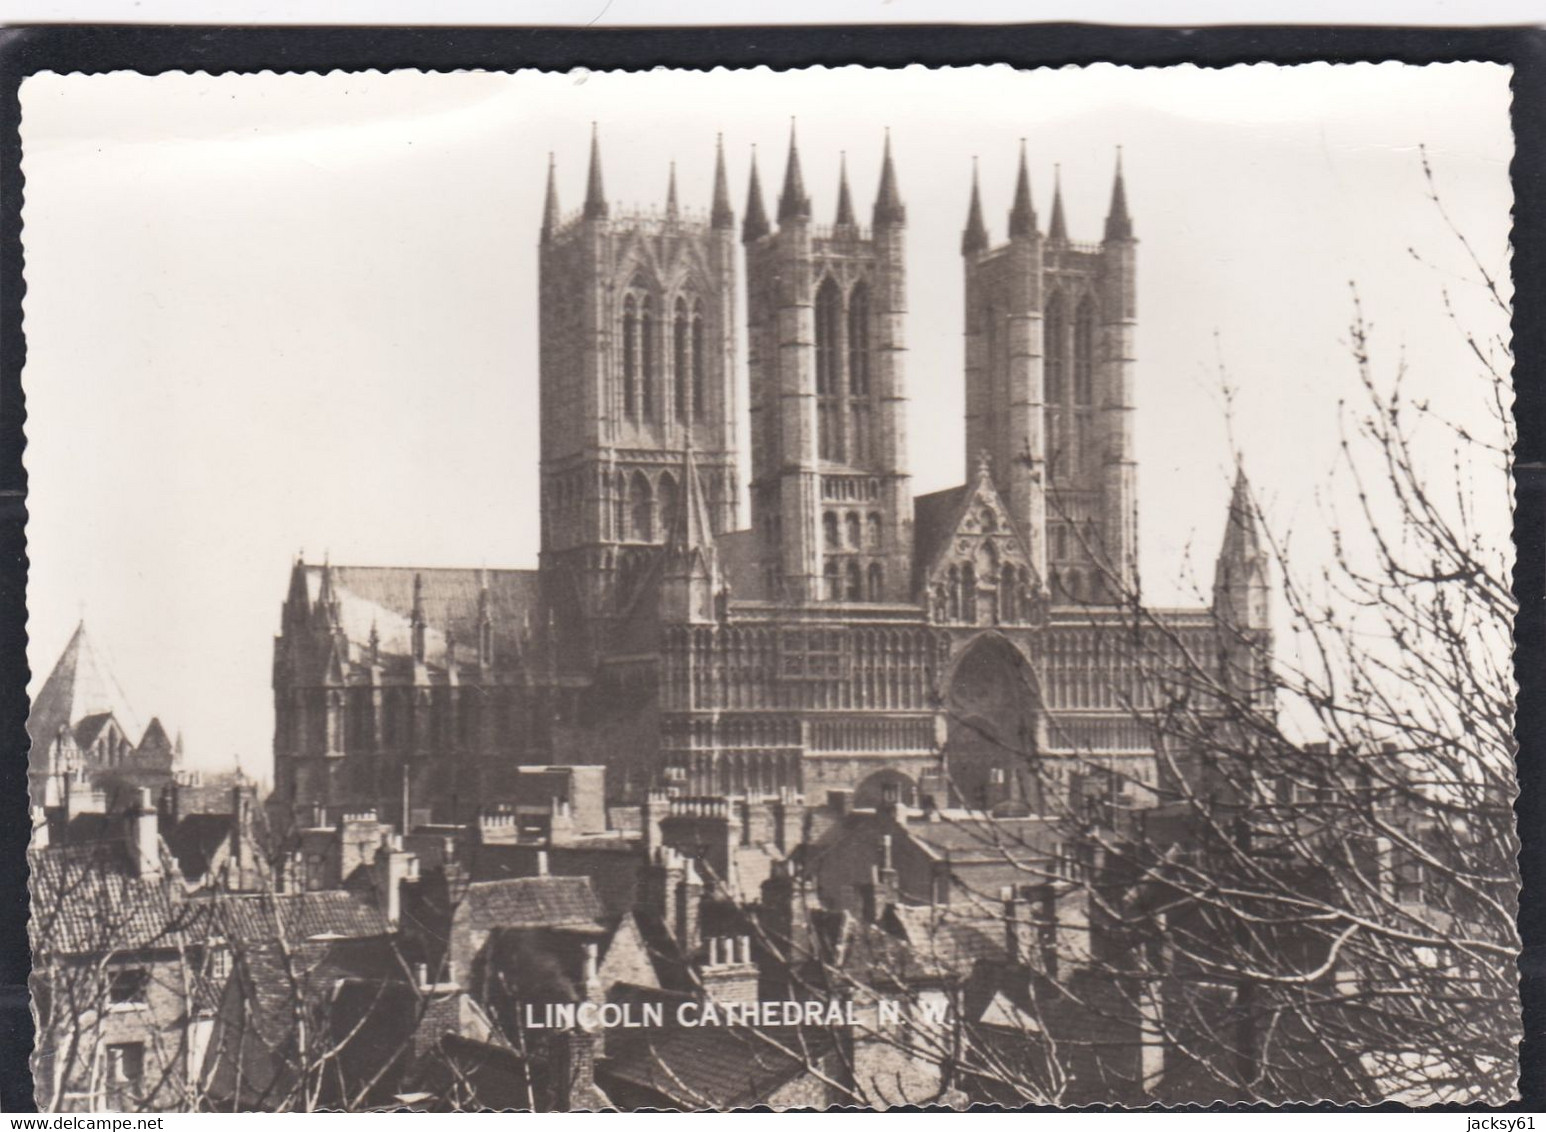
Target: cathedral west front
846 639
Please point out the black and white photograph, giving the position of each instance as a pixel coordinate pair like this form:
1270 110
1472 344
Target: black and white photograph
834 587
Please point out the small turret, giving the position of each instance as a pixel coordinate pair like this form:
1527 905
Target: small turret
755 226
550 213
595 193
1022 216
1057 228
416 619
974 238
673 210
1241 576
889 209
793 203
720 215
1119 226
845 204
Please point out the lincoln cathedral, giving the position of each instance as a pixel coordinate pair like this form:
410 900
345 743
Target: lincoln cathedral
846 640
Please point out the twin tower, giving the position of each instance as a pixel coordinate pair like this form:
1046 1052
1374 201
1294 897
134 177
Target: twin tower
639 392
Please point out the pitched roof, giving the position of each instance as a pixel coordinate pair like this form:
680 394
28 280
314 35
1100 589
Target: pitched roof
382 597
85 901
533 902
934 518
948 940
80 685
713 1067
297 916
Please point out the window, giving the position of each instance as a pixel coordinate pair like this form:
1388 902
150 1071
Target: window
620 503
1084 354
668 503
829 529
1007 607
877 589
859 341
1057 353
641 509
874 542
855 583
699 357
830 576
630 356
969 593
126 1067
127 987
647 359
829 414
852 526
681 359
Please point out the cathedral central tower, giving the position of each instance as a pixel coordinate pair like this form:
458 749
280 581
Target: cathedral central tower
831 495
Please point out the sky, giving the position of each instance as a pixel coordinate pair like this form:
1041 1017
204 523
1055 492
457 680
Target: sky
270 314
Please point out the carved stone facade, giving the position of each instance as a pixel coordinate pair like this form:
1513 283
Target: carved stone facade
973 646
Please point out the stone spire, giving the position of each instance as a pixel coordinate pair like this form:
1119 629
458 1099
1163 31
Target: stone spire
595 195
1240 576
550 214
1057 229
755 226
1022 216
1119 226
690 580
673 209
793 203
974 238
845 204
889 209
721 216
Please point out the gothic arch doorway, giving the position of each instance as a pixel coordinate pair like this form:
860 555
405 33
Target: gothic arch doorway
991 753
885 786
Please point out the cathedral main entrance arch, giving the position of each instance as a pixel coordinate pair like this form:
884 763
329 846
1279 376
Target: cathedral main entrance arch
991 751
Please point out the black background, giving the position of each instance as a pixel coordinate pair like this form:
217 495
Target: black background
25 51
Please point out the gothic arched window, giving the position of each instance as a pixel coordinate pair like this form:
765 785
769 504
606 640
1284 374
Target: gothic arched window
668 503
829 423
681 362
876 579
853 528
641 509
953 602
620 507
699 357
855 583
969 593
630 356
647 356
874 526
1056 352
830 576
1007 608
1084 354
829 529
859 341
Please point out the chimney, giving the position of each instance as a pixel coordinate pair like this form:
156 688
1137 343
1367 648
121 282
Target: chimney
144 838
657 804
688 896
573 1062
590 979
728 974
393 868
542 862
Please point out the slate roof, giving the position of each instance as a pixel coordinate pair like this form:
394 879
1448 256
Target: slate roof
87 730
298 916
947 940
383 596
533 902
712 1067
84 901
80 685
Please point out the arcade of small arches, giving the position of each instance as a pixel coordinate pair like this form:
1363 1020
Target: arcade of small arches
663 378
